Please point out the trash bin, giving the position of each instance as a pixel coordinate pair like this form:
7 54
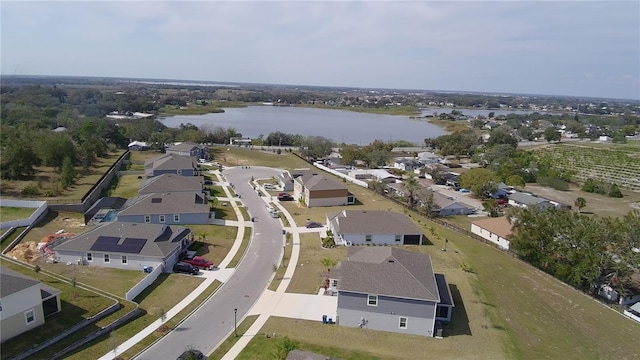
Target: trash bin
324 319
284 232
253 219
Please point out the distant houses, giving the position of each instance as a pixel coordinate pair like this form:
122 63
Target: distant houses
496 230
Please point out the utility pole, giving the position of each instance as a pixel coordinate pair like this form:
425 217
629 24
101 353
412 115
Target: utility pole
235 321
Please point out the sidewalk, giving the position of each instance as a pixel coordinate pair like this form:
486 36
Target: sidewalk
221 274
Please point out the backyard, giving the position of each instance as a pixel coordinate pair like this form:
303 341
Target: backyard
10 213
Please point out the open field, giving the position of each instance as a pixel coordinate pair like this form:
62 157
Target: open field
10 213
619 164
54 221
142 156
128 186
310 273
74 309
214 241
239 156
47 180
598 204
449 125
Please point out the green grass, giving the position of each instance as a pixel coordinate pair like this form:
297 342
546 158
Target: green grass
10 213
225 211
310 273
239 156
74 309
6 241
232 340
282 268
243 247
128 186
216 191
217 241
82 185
244 212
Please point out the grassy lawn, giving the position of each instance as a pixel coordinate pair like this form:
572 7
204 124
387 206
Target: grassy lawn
11 237
216 191
74 309
128 186
273 285
239 156
54 221
142 156
231 340
9 213
243 247
225 211
214 241
310 273
162 294
244 212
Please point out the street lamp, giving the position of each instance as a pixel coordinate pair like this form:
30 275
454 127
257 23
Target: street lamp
235 321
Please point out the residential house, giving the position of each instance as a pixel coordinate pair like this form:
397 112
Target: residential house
171 183
24 303
443 205
497 230
381 175
104 210
407 164
319 190
426 157
451 179
170 164
166 208
391 289
373 227
125 246
628 295
189 149
285 181
525 200
633 312
138 146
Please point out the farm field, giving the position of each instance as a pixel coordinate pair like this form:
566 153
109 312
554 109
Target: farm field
619 164
239 156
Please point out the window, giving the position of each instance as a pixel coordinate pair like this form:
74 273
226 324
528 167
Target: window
367 238
29 316
334 283
403 322
89 257
147 218
372 300
161 218
176 217
398 238
124 259
106 258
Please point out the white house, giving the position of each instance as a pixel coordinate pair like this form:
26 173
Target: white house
24 303
373 227
496 230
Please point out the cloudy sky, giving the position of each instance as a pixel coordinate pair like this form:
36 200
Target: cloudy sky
581 48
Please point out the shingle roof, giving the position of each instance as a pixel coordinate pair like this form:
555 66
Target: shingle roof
321 182
373 222
166 203
527 199
498 225
171 183
12 282
162 240
389 271
169 162
186 146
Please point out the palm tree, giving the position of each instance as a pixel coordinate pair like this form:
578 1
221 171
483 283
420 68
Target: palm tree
411 187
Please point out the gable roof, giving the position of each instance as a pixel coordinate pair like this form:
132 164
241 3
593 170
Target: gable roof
168 162
498 225
321 182
389 271
171 182
186 146
373 222
166 203
159 240
12 282
527 199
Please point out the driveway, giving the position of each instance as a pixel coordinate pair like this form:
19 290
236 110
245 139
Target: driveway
214 320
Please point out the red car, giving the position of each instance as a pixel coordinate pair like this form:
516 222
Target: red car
283 196
200 262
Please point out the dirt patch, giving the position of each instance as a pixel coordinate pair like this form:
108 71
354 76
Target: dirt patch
27 252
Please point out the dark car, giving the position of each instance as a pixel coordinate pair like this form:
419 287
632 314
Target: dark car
285 197
183 267
208 182
312 224
192 355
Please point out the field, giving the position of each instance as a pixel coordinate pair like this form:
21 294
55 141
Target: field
9 213
239 156
619 164
128 186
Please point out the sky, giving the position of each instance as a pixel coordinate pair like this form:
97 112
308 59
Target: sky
573 48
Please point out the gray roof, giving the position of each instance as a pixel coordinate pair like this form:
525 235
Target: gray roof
12 282
321 182
442 201
166 203
171 183
161 240
168 162
526 199
373 222
388 271
186 146
443 290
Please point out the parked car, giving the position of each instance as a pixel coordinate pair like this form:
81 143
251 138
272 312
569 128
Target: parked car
283 196
200 262
183 267
192 355
464 190
312 224
208 182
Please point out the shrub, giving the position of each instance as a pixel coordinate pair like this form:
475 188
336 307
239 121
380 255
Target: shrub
553 182
30 190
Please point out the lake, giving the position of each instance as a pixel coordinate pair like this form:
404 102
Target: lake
338 125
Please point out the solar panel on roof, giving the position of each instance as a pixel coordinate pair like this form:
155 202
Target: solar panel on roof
133 245
110 244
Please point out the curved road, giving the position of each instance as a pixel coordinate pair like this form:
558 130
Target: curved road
214 320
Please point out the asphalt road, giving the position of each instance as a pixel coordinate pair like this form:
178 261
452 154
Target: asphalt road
215 319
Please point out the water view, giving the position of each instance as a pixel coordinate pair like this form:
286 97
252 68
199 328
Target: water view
339 126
